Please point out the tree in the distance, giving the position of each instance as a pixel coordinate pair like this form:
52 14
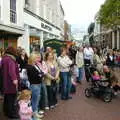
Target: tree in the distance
109 14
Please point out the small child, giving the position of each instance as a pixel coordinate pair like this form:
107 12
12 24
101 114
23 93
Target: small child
96 76
25 109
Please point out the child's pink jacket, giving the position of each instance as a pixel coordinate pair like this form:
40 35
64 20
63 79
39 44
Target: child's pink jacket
25 111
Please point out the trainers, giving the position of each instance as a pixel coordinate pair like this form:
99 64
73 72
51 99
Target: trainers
47 108
56 105
52 106
41 112
36 115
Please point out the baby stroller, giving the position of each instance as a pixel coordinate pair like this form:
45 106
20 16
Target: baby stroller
99 88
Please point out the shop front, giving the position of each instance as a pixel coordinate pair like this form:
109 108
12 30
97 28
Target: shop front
34 43
8 39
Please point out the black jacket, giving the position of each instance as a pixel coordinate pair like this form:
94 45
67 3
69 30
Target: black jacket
35 75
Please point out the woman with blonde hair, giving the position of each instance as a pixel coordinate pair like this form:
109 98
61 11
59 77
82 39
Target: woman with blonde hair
35 77
51 79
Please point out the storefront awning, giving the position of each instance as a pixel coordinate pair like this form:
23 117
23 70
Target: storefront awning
10 29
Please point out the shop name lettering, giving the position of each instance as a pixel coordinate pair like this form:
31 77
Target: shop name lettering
46 27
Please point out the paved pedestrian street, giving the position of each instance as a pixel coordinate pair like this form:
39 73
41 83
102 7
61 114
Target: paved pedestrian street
82 108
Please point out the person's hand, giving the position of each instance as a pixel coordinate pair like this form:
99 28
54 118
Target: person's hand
15 82
56 77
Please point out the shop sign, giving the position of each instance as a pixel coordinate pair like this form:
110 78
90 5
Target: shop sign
46 27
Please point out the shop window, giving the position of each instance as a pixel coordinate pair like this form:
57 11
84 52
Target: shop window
13 15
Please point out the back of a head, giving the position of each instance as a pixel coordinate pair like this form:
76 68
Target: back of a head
11 51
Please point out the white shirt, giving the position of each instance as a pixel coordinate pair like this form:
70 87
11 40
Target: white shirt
79 59
64 63
88 53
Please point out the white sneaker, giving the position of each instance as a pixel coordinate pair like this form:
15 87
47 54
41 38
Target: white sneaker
47 108
52 106
36 115
115 93
41 112
56 105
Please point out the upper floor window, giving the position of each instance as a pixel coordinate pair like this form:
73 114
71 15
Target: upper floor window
13 15
27 3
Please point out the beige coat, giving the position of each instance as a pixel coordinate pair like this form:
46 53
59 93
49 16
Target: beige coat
49 77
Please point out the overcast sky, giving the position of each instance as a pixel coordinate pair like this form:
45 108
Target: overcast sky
81 12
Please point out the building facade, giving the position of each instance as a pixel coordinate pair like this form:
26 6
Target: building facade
28 23
67 31
105 37
11 22
43 20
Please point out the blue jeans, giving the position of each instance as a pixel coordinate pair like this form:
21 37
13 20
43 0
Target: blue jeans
44 97
80 74
36 95
65 84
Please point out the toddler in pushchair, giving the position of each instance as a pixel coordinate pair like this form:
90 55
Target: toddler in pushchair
100 85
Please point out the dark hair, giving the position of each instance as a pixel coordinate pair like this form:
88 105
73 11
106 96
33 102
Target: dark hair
41 57
11 51
98 52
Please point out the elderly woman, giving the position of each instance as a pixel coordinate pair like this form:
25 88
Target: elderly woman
10 81
1 80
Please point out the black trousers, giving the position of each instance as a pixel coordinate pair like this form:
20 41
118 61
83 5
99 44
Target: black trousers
9 107
52 95
87 64
1 82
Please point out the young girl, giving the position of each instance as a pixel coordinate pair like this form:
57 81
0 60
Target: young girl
96 76
25 109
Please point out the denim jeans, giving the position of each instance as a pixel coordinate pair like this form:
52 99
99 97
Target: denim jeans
44 97
36 95
66 84
80 74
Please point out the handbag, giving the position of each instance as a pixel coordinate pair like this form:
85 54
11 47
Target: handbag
24 79
23 74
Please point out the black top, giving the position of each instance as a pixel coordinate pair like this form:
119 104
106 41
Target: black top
22 62
110 62
35 75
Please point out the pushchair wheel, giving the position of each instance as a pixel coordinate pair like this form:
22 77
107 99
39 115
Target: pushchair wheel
107 97
88 92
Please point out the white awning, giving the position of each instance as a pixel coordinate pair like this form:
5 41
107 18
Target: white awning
16 30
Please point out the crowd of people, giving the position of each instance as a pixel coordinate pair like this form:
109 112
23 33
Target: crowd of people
31 85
